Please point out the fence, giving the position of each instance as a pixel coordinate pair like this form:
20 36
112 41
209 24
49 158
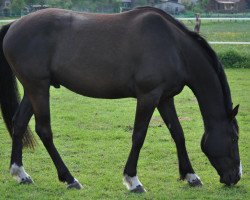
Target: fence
216 18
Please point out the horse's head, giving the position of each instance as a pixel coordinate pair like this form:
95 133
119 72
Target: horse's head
221 148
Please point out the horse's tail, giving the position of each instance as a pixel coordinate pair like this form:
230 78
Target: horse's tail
9 95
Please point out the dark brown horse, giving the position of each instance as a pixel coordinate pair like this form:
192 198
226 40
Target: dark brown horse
143 53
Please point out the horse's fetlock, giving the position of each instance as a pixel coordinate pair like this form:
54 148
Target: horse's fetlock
65 177
61 178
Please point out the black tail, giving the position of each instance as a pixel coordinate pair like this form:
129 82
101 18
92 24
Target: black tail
9 96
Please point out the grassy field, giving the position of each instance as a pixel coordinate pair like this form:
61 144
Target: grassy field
94 138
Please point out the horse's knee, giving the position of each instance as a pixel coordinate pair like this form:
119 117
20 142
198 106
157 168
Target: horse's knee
44 133
65 176
19 128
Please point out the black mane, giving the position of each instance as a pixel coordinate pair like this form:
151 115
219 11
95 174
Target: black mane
204 44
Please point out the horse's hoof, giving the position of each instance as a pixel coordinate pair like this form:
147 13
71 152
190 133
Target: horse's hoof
195 183
26 180
75 185
193 180
139 189
133 184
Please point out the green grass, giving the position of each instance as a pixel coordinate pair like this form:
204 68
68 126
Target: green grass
94 139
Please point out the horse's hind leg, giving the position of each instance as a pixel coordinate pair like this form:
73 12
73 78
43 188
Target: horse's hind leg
40 103
144 110
20 123
168 113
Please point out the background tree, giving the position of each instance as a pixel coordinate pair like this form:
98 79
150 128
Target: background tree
141 2
17 6
201 6
32 2
67 4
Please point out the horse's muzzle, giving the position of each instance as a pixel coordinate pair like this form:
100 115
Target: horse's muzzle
230 179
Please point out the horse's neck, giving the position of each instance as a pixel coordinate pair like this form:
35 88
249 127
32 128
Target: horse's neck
208 90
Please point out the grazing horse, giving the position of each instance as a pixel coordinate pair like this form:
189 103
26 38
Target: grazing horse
145 54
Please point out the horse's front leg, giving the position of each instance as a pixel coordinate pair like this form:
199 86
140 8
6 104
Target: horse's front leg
20 123
144 110
168 113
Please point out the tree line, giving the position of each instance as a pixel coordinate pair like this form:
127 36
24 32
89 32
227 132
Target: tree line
82 5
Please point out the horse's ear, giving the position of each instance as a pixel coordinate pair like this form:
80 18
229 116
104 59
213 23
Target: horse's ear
234 112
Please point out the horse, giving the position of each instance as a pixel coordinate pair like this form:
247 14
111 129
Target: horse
144 54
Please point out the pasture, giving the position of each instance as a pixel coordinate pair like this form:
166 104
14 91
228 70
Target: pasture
94 139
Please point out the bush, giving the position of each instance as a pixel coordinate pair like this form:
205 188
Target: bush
232 59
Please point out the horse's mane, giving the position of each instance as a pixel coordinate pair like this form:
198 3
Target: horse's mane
204 44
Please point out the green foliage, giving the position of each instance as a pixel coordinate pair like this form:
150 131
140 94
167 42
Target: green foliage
199 7
30 2
86 5
141 2
17 5
233 56
233 59
83 5
67 4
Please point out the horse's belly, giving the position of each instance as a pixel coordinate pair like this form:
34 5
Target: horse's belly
111 93
97 86
98 92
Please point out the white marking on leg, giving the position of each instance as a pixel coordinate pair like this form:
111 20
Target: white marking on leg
18 173
76 184
131 182
240 170
192 177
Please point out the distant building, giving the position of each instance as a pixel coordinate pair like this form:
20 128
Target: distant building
227 6
126 5
172 7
